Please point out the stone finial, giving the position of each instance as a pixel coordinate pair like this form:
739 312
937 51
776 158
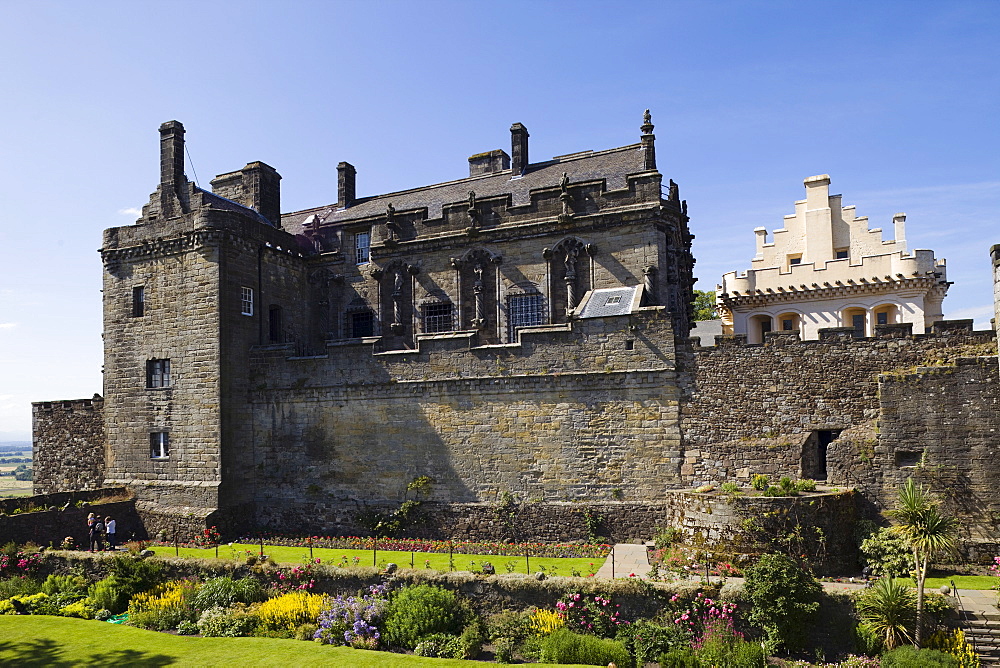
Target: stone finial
647 123
647 139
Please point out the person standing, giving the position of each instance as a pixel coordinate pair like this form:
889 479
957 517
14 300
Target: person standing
94 528
109 529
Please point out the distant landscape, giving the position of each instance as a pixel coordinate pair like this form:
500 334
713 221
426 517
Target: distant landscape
15 468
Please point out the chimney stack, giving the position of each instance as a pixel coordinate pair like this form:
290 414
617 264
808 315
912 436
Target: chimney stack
262 185
173 182
518 149
347 177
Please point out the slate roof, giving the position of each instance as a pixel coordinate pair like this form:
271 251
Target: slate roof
614 165
609 301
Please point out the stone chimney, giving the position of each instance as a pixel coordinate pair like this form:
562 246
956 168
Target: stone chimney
899 228
173 182
490 162
262 185
347 177
518 149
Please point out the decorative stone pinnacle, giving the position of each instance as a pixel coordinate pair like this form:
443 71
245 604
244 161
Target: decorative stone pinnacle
647 123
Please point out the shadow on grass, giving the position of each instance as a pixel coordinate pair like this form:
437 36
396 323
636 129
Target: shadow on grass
47 652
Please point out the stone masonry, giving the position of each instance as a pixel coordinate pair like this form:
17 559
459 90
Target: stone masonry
68 444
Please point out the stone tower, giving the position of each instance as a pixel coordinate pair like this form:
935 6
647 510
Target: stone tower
188 289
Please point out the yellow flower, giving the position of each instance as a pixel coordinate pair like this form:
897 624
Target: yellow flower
544 622
290 610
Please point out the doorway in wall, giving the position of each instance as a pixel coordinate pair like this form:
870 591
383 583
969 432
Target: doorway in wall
814 453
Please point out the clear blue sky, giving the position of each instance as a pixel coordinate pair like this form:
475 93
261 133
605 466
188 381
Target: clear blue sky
897 101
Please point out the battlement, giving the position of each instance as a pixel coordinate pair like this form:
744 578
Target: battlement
942 329
95 403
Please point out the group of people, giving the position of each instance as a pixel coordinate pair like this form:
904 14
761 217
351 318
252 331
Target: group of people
98 530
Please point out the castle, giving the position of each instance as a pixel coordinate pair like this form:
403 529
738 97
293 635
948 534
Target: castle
519 335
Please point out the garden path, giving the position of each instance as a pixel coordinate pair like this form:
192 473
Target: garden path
624 560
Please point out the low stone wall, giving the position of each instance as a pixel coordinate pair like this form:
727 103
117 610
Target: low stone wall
818 525
59 499
52 526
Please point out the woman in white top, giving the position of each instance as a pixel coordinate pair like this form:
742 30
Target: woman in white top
109 528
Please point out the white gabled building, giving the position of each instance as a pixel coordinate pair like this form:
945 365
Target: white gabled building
825 268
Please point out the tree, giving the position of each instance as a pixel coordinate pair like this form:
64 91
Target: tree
784 600
926 531
704 305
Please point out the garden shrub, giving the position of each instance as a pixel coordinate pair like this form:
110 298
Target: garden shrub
163 607
283 614
509 624
439 645
420 610
503 650
647 641
71 584
954 643
30 604
109 594
592 614
784 600
353 620
885 554
81 609
681 657
722 647
888 610
225 591
19 586
136 574
472 639
233 622
186 628
306 631
564 646
908 656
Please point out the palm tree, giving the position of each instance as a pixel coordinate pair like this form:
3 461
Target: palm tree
927 533
887 609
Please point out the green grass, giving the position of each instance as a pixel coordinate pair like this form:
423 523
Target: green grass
31 641
961 581
463 562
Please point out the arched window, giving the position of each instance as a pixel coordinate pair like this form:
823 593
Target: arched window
887 314
789 322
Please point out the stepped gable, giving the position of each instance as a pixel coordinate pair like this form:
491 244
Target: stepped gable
612 166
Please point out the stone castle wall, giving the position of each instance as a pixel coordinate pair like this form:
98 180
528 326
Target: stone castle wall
581 412
940 426
68 444
752 408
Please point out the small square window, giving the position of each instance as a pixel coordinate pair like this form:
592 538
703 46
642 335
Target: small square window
246 301
157 373
842 254
362 323
438 317
362 247
159 445
795 260
616 299
138 301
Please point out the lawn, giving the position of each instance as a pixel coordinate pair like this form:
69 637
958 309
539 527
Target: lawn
961 581
61 642
463 562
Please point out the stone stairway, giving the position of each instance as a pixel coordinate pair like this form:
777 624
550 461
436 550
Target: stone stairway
982 631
